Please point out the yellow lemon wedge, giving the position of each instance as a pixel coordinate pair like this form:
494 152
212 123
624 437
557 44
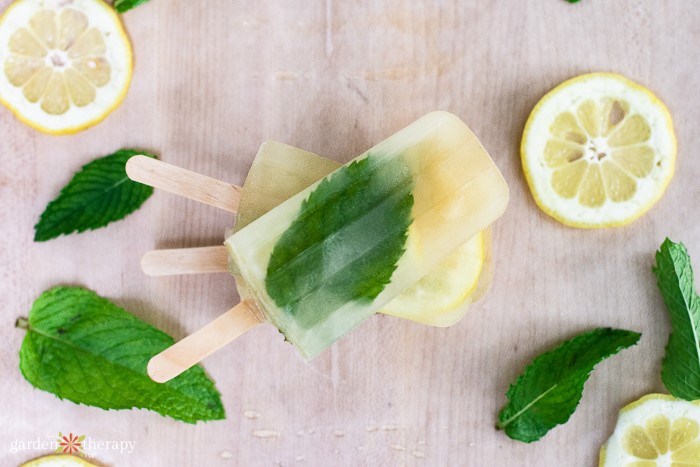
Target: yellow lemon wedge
442 297
58 460
656 431
66 64
598 151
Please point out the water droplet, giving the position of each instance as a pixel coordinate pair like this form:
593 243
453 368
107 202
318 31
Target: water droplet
418 454
339 433
299 458
398 447
371 428
226 455
389 427
266 434
300 433
251 414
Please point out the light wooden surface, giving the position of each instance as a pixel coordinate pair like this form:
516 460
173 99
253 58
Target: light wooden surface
213 79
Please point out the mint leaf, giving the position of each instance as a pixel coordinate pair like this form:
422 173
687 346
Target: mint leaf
680 370
81 347
125 5
98 194
345 242
549 390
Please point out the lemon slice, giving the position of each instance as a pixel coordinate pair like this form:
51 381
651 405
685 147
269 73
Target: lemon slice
58 460
655 431
598 151
65 64
442 297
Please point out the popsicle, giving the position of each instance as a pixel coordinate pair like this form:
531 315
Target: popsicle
325 260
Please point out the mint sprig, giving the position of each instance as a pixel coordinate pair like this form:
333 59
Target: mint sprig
81 347
550 388
98 194
680 370
345 242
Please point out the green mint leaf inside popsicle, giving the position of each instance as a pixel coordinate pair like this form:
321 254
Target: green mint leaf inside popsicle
81 347
345 242
98 194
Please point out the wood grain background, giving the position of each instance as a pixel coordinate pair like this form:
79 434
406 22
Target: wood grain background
212 80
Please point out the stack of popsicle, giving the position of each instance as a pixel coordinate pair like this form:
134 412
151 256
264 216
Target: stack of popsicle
319 263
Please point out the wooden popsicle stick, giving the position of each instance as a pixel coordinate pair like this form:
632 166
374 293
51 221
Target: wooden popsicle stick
204 260
184 182
197 346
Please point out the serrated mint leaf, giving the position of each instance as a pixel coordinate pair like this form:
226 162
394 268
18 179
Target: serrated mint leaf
680 370
346 241
98 194
549 390
81 347
125 5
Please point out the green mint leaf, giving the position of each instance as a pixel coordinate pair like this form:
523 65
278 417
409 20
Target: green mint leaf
81 347
680 370
125 5
549 390
98 194
573 1
345 242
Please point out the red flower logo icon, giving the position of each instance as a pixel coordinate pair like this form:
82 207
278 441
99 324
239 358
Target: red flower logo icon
70 444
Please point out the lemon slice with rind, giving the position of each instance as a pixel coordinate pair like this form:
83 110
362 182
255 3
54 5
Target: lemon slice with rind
656 431
65 64
58 460
598 151
442 297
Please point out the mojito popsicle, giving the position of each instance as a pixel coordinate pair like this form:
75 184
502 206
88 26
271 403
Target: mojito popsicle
326 259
